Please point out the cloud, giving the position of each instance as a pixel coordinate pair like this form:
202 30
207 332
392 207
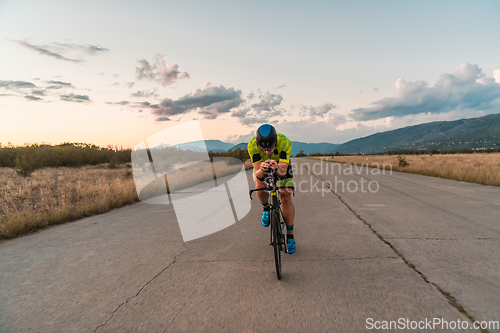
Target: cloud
268 102
241 112
317 111
81 48
496 75
145 93
75 98
214 110
94 49
282 86
56 50
32 98
327 130
264 118
210 101
34 93
309 130
466 89
160 71
262 111
59 85
135 104
375 89
16 84
45 51
162 118
239 138
148 105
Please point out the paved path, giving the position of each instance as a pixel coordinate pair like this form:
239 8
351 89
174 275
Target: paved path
418 248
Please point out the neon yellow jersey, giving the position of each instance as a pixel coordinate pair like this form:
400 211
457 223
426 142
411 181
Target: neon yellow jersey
281 152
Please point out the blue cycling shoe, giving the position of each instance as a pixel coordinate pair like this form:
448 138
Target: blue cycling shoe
265 218
290 246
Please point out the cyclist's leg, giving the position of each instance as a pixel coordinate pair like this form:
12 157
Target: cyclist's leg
263 198
287 207
286 199
289 215
262 195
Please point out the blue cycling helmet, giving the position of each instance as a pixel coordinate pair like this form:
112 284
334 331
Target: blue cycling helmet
266 135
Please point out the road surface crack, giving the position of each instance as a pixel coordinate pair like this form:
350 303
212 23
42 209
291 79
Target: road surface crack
137 294
452 300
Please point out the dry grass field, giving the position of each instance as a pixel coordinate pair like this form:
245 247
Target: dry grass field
474 168
57 195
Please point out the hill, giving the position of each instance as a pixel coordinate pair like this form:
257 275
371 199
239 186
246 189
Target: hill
473 133
310 148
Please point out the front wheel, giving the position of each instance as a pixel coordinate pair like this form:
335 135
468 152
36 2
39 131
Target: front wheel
276 241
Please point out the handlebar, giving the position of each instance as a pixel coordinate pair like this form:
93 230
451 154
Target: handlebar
271 173
266 189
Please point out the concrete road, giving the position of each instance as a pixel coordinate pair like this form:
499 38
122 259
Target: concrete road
416 249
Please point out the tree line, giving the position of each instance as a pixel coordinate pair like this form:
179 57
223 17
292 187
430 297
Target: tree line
28 158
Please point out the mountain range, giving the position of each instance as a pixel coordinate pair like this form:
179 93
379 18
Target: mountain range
473 133
211 145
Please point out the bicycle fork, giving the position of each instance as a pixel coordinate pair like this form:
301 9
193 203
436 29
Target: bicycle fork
272 215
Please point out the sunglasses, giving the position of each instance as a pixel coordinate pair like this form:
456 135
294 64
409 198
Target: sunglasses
270 148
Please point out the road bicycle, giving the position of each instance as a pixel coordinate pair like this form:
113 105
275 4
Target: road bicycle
277 222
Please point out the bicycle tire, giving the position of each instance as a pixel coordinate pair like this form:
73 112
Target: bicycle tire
282 230
276 230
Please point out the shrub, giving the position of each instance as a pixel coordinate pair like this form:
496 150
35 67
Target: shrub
29 158
24 167
402 161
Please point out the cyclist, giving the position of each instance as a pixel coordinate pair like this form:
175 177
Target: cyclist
268 149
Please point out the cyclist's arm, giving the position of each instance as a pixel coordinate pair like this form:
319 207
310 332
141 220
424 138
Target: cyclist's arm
286 150
260 168
282 167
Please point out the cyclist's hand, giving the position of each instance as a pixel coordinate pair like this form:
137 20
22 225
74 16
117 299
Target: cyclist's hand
263 166
273 164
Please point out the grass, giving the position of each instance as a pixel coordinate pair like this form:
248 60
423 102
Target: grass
57 195
52 196
473 168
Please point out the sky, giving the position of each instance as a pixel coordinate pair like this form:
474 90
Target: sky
117 72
